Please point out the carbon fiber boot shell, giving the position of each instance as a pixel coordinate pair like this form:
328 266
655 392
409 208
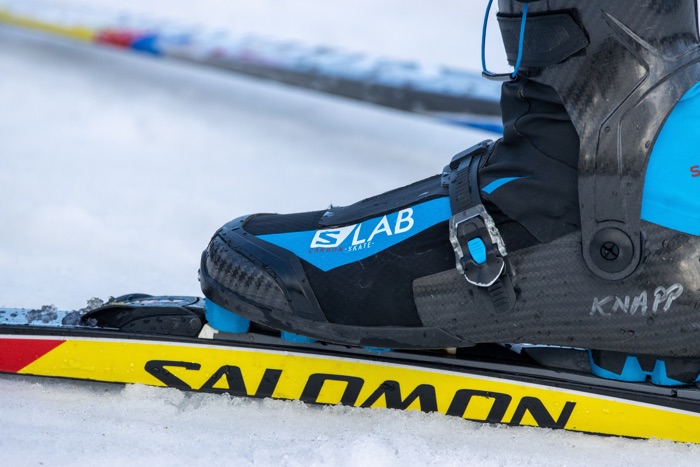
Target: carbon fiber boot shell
559 302
641 59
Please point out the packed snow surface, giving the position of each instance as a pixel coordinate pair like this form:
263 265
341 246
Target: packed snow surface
116 169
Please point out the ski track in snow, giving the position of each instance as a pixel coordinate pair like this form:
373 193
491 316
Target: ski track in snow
116 170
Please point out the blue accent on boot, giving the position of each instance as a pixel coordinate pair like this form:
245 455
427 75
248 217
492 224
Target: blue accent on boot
477 249
492 127
631 371
224 320
496 184
672 183
377 350
334 247
660 377
521 43
296 338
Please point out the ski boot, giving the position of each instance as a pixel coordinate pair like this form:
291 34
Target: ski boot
579 228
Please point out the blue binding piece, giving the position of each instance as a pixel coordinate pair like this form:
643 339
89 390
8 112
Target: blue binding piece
632 372
224 320
296 338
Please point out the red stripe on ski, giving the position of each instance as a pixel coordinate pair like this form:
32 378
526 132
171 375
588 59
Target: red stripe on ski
118 37
15 354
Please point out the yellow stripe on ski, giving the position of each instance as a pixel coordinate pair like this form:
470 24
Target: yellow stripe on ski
332 380
79 33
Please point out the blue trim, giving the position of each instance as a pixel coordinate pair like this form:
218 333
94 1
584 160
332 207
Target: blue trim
483 37
632 372
521 42
671 196
491 127
224 320
477 249
334 247
296 338
496 184
660 377
377 350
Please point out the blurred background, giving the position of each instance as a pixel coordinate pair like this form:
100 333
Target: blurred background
116 169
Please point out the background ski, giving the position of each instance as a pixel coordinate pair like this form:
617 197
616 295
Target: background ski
481 384
454 96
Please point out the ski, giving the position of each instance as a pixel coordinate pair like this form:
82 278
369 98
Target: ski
166 342
454 96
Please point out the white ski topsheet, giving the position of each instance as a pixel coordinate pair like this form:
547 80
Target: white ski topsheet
115 170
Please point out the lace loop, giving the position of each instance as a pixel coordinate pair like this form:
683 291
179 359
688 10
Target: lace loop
521 43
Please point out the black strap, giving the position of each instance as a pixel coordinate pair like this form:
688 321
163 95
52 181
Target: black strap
479 250
549 38
464 173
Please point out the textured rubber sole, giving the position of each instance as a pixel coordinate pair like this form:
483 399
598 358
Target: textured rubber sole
228 300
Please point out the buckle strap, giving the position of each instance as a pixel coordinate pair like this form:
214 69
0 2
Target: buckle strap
463 173
479 248
480 252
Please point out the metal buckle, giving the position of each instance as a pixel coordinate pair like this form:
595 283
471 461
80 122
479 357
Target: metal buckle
479 248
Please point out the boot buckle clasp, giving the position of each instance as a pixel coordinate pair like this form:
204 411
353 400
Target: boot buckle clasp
479 248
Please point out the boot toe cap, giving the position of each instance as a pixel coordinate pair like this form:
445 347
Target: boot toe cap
227 273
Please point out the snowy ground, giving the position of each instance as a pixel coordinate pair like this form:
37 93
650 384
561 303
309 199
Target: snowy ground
116 170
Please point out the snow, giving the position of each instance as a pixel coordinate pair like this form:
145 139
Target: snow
116 170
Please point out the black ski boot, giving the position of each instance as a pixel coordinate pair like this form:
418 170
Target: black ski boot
579 228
